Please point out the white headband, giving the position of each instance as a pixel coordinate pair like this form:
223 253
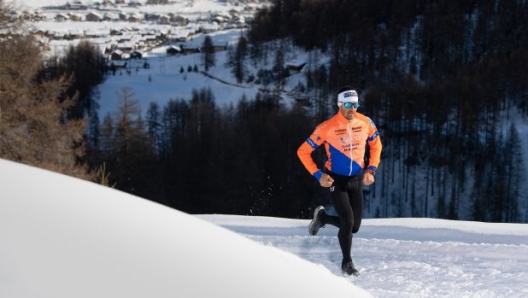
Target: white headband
348 96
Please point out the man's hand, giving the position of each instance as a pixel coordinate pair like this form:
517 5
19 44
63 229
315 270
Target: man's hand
368 178
326 180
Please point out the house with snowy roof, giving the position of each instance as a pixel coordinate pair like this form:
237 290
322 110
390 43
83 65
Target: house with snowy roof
93 17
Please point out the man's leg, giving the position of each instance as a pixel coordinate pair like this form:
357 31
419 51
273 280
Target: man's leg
345 221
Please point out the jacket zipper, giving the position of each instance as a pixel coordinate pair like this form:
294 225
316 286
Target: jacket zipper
349 131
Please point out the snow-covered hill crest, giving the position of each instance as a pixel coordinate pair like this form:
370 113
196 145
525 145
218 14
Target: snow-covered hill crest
64 237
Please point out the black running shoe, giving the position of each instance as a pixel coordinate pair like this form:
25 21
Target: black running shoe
316 223
349 269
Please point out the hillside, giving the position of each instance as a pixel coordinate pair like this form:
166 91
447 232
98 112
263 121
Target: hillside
453 124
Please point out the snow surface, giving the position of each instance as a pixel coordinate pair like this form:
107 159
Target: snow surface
65 237
409 257
167 82
180 6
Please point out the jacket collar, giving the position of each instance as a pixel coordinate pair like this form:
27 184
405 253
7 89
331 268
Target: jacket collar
342 118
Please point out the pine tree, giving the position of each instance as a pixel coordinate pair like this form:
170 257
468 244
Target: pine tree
239 58
514 176
86 66
208 54
154 125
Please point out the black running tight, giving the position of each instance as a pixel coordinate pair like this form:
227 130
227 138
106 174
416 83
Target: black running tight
347 198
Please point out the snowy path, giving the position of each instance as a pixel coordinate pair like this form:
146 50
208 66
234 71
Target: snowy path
409 262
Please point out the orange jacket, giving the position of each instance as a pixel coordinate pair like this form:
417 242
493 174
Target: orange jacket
345 142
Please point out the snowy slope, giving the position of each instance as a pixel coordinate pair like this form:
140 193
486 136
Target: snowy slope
64 237
409 257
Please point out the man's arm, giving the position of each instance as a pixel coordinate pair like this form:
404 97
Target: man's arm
374 141
305 155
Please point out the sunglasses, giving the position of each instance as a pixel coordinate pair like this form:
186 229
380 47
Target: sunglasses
349 105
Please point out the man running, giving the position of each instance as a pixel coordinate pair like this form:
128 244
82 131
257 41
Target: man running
345 136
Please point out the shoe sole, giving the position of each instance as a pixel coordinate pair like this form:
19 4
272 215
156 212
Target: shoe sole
316 211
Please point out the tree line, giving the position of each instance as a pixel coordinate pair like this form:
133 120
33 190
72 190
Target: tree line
200 158
441 81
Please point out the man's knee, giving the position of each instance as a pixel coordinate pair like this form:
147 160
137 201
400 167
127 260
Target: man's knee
357 225
347 224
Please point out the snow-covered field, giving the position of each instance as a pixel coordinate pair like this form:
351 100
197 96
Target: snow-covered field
176 6
164 81
63 237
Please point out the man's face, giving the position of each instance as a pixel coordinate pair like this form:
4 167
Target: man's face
348 109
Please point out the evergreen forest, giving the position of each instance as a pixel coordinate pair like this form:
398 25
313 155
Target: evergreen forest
446 83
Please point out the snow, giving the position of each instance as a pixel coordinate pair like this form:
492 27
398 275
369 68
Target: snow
409 257
65 237
164 81
181 6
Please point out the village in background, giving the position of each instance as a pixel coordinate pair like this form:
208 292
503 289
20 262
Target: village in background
127 29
